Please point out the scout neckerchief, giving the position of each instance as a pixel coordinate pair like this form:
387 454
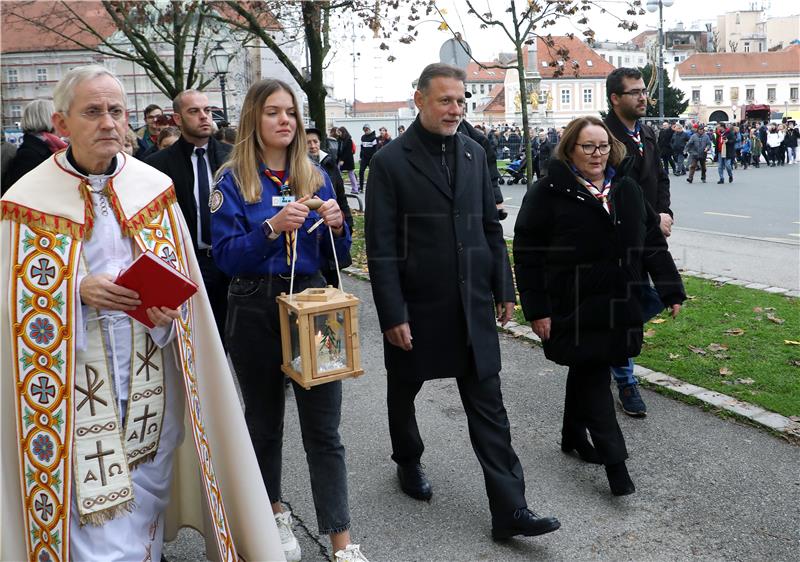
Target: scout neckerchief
281 180
636 136
600 195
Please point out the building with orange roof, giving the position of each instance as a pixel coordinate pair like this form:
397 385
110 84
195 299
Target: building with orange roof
720 84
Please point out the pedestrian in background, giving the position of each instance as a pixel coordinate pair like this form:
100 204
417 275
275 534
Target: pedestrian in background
678 148
746 151
697 148
725 143
756 148
369 144
347 150
383 138
168 136
790 140
260 228
580 288
774 139
665 146
39 141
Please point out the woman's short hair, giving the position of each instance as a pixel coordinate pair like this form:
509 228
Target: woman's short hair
38 117
573 131
167 132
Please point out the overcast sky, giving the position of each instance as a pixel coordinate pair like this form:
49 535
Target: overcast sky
377 79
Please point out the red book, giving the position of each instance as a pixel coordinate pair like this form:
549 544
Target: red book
158 284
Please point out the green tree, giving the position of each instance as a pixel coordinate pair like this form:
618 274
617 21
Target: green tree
674 103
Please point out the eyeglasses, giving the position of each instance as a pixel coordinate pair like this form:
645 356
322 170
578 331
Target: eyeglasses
94 114
589 148
635 93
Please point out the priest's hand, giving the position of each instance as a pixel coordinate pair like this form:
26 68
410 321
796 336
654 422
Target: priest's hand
100 291
400 336
505 312
162 316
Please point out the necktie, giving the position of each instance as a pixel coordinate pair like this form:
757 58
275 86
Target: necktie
202 196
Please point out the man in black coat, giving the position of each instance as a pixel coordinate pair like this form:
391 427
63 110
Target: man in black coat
665 146
465 128
369 145
191 162
627 102
439 267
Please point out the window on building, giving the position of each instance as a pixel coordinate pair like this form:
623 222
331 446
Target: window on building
474 89
565 97
483 88
793 91
602 56
695 96
587 97
619 60
718 95
641 61
750 94
676 59
41 75
746 46
16 112
474 104
771 93
734 93
589 63
12 77
627 60
760 47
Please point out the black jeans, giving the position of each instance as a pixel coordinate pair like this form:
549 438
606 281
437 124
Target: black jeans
589 404
216 283
254 337
489 432
363 164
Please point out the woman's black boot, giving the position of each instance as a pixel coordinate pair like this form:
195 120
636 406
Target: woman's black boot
619 480
585 450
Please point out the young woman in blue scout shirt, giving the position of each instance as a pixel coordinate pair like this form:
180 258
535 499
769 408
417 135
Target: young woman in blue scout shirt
257 211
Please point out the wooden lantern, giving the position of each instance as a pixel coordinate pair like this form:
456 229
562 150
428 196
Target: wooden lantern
319 335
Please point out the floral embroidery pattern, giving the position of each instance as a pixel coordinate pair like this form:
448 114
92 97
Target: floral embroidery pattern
43 448
42 331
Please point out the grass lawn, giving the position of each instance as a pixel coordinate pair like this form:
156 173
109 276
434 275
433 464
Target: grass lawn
726 338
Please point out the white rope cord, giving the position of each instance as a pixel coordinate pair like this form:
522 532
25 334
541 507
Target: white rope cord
294 260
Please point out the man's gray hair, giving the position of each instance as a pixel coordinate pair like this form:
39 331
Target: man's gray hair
65 89
176 103
437 70
38 117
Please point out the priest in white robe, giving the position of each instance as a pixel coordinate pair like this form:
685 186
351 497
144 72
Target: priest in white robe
112 433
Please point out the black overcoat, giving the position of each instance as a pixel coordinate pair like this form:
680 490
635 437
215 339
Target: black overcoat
437 258
32 152
581 266
176 162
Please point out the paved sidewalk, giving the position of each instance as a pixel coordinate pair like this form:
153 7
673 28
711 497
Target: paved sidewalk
707 487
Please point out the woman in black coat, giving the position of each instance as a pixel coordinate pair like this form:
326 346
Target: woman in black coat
345 157
585 240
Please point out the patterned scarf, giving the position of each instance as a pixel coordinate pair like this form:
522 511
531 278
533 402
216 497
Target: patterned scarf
600 194
281 180
636 136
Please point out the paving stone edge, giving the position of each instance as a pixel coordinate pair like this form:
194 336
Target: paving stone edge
778 423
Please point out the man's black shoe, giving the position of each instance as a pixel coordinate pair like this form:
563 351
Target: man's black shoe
414 482
526 523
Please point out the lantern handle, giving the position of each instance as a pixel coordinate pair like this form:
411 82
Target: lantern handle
294 260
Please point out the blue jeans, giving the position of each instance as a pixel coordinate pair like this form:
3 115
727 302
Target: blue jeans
725 164
254 334
651 305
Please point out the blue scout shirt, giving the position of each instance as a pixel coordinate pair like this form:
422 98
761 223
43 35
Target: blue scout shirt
240 246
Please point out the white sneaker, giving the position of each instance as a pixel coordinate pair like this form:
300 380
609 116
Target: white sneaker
289 544
350 554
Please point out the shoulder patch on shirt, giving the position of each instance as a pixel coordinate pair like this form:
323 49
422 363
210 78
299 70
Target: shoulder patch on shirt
215 200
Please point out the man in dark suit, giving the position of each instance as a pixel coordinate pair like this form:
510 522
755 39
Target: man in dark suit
191 162
627 102
439 266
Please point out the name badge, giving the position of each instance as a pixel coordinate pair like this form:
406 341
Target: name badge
282 200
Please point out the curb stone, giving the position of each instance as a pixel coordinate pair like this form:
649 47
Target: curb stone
756 414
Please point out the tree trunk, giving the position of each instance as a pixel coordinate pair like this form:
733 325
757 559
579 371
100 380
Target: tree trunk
523 105
314 86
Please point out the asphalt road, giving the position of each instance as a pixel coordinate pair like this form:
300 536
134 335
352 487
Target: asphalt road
707 488
749 229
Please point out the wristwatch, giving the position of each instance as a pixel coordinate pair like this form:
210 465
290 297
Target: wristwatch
269 232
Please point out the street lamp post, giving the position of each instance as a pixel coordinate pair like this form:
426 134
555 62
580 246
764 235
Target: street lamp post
220 59
652 6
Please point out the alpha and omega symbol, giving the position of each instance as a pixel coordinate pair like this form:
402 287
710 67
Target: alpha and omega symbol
101 461
150 349
146 415
92 386
43 271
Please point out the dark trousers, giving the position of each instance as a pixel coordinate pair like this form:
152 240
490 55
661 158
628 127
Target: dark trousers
667 160
363 164
255 348
697 162
216 283
589 404
489 432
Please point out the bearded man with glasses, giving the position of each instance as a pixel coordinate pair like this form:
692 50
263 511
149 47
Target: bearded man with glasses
627 103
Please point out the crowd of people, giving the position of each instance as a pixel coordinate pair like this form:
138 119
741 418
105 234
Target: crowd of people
229 208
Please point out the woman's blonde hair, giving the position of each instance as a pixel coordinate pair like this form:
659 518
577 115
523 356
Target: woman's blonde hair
248 150
573 130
